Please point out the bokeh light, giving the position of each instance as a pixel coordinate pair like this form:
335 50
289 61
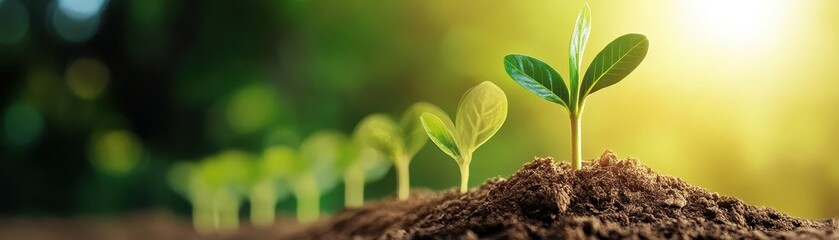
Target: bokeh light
252 108
116 152
14 22
87 78
75 22
81 9
22 124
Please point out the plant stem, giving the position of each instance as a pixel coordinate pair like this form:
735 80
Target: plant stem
576 142
308 200
404 187
354 187
463 164
464 177
263 204
216 212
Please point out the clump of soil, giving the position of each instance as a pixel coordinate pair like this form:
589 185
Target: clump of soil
608 198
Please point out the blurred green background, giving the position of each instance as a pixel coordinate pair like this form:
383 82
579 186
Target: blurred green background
99 97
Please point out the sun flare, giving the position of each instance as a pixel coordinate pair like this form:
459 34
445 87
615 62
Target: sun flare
738 22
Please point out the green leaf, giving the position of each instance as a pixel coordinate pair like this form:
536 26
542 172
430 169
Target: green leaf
319 154
380 132
480 114
537 77
279 161
614 62
578 45
440 132
415 137
375 165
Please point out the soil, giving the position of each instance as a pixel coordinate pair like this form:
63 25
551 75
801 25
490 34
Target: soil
607 199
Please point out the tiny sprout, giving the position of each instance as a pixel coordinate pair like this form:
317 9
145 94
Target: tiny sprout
360 164
399 142
610 66
214 187
266 190
309 171
480 114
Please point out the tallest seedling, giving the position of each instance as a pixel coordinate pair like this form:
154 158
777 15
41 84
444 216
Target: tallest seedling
610 66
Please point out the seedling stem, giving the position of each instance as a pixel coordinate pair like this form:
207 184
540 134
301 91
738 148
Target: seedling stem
576 142
404 187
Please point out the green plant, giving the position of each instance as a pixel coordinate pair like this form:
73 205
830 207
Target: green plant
214 186
266 190
309 171
398 141
612 64
360 164
480 114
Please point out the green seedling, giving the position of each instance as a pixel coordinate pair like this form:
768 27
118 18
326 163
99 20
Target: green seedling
184 178
360 165
266 189
612 64
480 114
397 141
309 171
214 187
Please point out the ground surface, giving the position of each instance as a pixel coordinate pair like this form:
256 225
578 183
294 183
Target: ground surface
608 199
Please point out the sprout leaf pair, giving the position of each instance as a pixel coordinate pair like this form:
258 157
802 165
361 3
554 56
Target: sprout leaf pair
397 141
480 114
611 65
309 171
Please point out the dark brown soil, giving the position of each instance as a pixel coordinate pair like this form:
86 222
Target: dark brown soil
607 199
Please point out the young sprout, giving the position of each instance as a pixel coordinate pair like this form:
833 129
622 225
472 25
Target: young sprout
226 177
265 190
611 65
309 171
360 164
184 178
399 142
480 114
214 187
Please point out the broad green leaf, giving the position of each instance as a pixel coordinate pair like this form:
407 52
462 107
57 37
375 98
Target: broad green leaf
480 114
380 132
375 165
319 153
279 161
321 148
441 134
537 77
578 45
415 137
614 62
228 169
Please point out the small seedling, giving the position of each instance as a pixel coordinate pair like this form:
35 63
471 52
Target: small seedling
214 187
309 171
480 114
399 142
360 164
611 65
266 190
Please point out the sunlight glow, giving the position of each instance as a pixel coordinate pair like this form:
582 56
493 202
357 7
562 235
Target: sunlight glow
737 22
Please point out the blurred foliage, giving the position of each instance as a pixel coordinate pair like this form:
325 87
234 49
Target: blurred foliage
92 88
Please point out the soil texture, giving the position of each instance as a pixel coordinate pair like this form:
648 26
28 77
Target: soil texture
608 199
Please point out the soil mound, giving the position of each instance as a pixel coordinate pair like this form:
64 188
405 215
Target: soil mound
607 199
